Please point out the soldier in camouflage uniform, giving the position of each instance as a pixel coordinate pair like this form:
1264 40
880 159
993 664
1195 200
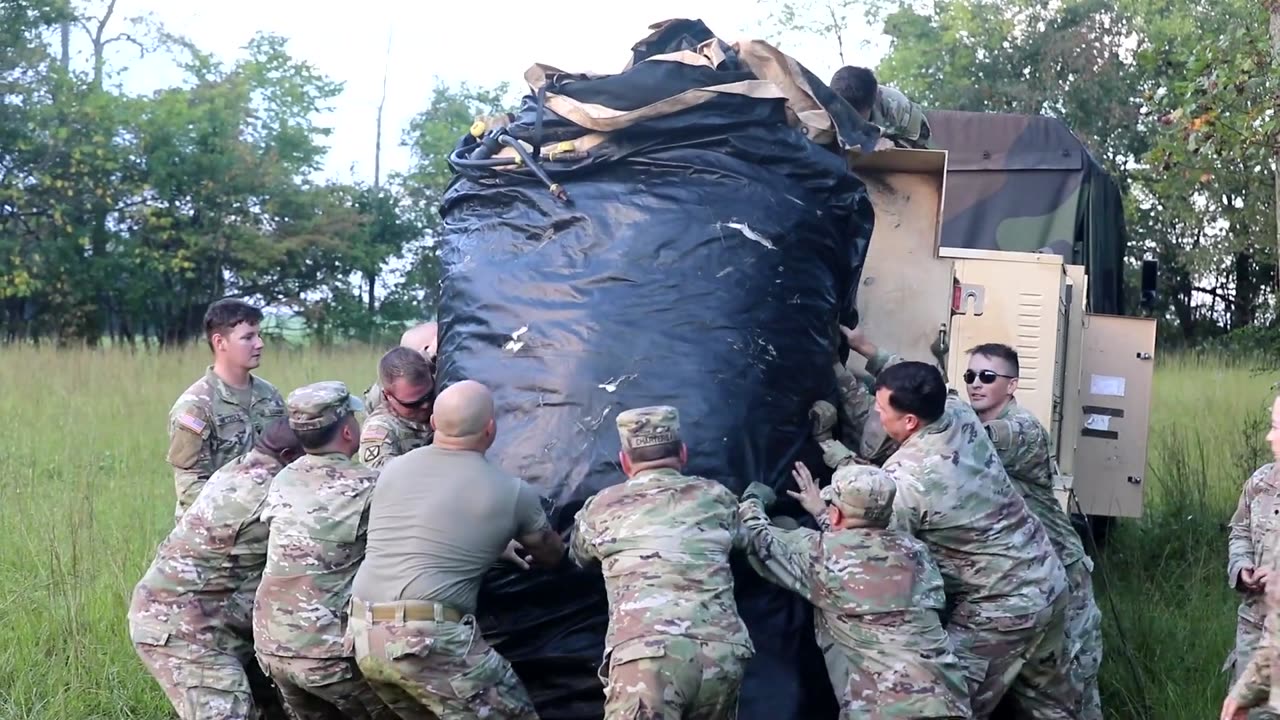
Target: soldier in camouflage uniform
900 120
188 618
876 591
317 512
422 338
1252 563
1006 589
676 646
1022 443
220 415
403 422
861 429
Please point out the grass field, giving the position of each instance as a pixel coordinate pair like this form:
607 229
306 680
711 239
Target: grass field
85 497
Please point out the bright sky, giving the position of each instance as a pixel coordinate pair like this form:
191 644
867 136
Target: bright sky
481 43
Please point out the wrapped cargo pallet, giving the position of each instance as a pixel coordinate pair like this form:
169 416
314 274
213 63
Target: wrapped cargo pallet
685 232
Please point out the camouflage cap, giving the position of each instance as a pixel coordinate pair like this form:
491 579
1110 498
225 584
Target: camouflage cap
321 404
862 491
648 426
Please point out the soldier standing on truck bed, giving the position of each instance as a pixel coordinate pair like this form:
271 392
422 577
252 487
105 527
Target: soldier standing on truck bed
403 422
876 591
222 413
1022 443
423 338
900 120
185 620
1252 567
676 646
317 514
440 517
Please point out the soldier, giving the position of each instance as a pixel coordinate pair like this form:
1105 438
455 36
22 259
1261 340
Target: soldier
317 512
422 338
676 646
439 518
195 640
1022 444
402 423
863 430
221 414
1251 564
1006 588
900 120
877 593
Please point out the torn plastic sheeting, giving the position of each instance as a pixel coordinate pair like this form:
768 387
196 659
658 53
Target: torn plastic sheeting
626 291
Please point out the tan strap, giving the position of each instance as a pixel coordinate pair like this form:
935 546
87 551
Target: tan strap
405 611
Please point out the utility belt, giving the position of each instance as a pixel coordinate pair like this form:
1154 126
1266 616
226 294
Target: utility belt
405 611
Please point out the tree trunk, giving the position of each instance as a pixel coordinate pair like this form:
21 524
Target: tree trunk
1245 308
1274 31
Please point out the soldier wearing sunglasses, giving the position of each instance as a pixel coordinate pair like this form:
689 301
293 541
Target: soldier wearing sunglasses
425 339
1022 443
402 422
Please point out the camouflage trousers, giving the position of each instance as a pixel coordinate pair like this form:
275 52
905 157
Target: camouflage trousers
1248 636
1084 641
429 669
202 683
1024 656
324 689
673 678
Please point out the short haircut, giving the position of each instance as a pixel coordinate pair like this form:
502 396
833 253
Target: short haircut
857 85
277 438
318 438
406 363
916 388
654 453
998 350
223 315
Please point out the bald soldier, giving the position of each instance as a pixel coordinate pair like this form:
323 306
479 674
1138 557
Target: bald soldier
185 621
441 515
317 513
221 414
403 422
876 591
1006 588
1022 443
676 646
423 339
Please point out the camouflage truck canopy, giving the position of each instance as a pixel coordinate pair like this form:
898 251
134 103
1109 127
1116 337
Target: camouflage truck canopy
1026 183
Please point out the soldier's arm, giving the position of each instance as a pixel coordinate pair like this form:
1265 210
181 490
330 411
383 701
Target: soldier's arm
581 546
1012 447
190 455
534 530
1240 542
377 446
909 504
1254 685
782 557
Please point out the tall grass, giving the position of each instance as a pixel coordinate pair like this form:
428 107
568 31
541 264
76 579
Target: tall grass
85 497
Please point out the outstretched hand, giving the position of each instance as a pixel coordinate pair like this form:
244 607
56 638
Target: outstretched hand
808 496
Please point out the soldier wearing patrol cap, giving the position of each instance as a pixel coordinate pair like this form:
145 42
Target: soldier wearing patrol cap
317 513
676 646
877 592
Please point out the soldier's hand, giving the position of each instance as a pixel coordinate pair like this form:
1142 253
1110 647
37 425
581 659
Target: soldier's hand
514 554
1232 710
858 342
1261 577
1248 578
760 491
808 497
823 415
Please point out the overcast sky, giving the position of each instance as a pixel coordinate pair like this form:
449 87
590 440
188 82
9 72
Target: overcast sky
481 43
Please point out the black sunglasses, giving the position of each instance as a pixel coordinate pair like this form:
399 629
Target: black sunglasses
986 376
412 405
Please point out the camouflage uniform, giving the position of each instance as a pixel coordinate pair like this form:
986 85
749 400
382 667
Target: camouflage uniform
386 435
676 646
208 427
1251 545
186 624
878 596
1023 447
1258 685
862 430
317 513
900 119
1006 589
373 400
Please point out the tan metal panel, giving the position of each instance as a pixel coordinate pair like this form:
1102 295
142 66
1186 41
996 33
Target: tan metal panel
1067 430
1020 307
1115 398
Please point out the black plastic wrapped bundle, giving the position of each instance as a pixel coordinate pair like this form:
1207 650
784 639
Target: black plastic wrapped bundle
702 260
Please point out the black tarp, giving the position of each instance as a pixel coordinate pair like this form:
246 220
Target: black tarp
703 260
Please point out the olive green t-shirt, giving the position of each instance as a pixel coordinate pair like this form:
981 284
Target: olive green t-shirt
438 520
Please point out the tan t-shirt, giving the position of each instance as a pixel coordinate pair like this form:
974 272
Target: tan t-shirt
437 521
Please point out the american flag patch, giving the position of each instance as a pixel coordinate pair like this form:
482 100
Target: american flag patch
192 423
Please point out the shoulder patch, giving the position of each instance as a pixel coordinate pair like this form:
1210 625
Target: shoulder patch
190 422
371 453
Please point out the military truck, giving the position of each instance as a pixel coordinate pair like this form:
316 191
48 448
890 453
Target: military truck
1011 232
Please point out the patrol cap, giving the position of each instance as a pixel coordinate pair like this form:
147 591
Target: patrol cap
648 427
864 492
321 404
